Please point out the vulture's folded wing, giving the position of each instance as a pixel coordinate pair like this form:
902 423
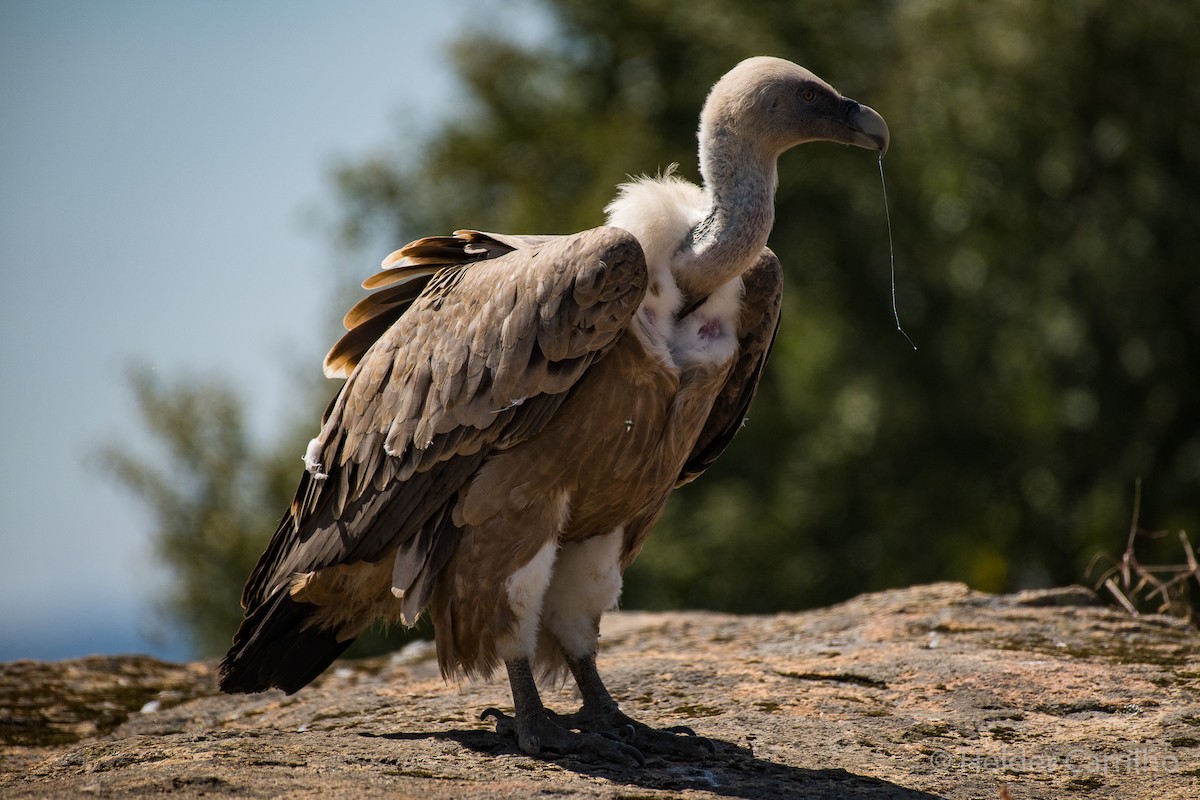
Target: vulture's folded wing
763 295
470 344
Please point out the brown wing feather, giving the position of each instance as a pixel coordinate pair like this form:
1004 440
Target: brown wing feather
480 360
403 290
404 276
760 320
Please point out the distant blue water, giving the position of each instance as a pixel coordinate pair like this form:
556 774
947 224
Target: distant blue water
56 639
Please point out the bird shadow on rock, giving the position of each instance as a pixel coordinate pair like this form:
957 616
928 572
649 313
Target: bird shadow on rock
733 771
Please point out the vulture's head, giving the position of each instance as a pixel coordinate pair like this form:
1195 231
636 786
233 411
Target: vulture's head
769 105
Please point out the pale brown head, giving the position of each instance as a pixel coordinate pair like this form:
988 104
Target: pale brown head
771 105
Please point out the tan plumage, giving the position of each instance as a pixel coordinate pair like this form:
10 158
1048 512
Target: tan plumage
517 411
472 364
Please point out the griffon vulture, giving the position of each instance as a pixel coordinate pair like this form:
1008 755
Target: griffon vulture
516 412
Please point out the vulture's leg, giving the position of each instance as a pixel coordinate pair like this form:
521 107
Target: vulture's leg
540 731
536 729
587 582
600 714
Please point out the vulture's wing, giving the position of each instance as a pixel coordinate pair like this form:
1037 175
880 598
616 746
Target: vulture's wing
756 333
469 344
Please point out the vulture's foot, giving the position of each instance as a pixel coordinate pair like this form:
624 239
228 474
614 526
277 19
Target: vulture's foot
542 732
679 741
600 714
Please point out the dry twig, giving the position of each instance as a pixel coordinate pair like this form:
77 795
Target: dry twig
1154 589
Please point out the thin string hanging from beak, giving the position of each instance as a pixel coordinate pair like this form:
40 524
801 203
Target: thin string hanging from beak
892 253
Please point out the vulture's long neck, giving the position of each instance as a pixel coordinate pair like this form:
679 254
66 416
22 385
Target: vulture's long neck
740 185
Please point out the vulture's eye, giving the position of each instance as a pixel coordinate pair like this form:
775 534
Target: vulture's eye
808 94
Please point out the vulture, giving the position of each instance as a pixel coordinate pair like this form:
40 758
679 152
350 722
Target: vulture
517 409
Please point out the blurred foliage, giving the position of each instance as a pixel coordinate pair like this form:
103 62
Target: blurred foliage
214 496
208 491
1043 190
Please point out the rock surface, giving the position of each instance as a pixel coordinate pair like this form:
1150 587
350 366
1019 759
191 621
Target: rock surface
932 691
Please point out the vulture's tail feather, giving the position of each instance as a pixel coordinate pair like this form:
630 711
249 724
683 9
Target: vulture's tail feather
275 647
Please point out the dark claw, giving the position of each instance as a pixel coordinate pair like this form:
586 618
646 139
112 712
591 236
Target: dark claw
684 729
679 741
548 733
635 754
505 725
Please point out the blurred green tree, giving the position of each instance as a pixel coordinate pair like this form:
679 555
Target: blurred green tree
1044 199
208 491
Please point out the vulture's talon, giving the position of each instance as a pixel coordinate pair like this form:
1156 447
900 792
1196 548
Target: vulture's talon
547 733
671 743
639 760
505 725
679 741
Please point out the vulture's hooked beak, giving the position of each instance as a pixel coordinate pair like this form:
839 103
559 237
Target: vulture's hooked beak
867 128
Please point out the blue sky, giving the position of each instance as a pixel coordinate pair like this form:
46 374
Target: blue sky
161 166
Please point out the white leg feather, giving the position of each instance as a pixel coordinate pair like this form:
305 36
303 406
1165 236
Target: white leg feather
526 589
586 583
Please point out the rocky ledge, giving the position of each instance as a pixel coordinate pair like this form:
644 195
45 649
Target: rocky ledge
932 691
